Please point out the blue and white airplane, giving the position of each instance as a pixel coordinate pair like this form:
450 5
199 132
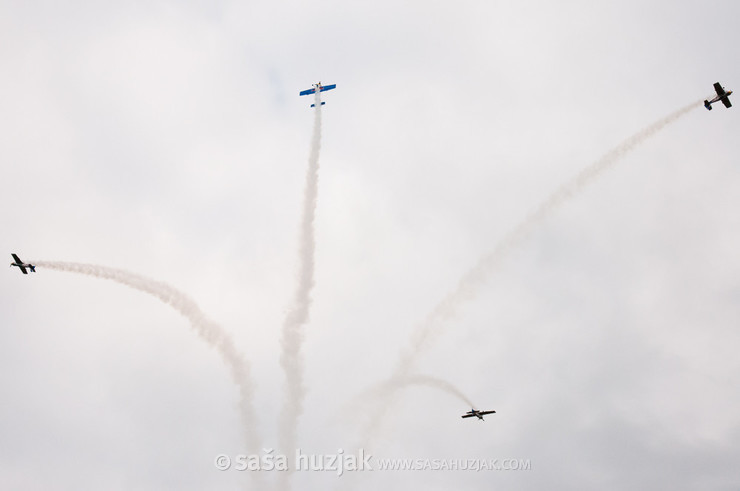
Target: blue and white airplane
320 88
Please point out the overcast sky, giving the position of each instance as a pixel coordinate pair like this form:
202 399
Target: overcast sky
168 139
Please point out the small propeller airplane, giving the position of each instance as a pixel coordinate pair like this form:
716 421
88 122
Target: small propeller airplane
722 95
477 414
320 88
20 264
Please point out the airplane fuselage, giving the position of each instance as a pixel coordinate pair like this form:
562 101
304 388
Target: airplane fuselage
22 266
719 97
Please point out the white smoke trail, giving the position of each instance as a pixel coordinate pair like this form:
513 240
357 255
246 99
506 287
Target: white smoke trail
209 331
384 389
434 324
436 383
382 392
291 358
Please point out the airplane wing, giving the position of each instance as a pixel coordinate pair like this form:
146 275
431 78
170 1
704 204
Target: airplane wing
324 88
17 259
718 88
468 415
23 268
307 91
726 101
483 413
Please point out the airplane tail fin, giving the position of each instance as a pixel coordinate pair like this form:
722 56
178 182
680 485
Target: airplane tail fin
314 105
32 268
707 105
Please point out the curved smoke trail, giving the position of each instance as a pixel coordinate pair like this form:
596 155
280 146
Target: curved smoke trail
435 322
380 393
209 331
384 389
434 382
291 358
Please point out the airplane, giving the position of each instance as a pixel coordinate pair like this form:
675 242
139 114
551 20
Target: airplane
722 95
22 265
476 413
321 88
